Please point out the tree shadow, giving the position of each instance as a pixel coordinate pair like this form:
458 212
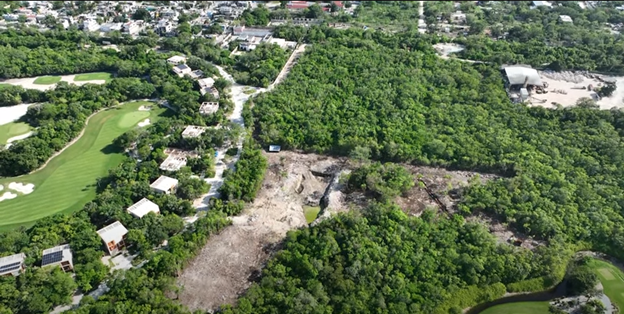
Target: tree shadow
111 149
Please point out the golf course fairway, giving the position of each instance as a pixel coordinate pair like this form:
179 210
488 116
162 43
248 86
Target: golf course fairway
67 182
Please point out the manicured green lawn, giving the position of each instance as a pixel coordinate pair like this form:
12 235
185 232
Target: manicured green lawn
47 80
311 212
12 129
67 183
3 85
93 76
612 280
519 308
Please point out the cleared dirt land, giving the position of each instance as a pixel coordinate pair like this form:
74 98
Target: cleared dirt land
233 259
230 261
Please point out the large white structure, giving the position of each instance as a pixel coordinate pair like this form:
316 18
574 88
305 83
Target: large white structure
60 255
164 185
12 265
142 208
182 69
113 236
520 75
131 28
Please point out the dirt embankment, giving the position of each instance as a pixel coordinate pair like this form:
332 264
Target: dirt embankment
231 260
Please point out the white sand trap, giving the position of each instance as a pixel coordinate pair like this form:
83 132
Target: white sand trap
144 108
12 113
22 188
1 187
145 122
19 137
7 196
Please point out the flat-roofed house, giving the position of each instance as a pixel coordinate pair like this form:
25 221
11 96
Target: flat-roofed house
193 131
113 236
60 255
12 265
175 60
208 108
164 185
142 208
182 69
206 82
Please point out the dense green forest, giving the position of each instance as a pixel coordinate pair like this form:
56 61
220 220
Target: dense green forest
382 261
349 92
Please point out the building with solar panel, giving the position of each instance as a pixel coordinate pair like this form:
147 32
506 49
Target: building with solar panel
60 255
12 265
113 236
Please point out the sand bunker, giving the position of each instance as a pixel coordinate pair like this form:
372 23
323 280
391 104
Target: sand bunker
7 196
21 187
19 137
12 113
145 122
1 188
145 108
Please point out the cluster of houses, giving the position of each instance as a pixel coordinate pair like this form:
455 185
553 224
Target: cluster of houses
113 236
180 68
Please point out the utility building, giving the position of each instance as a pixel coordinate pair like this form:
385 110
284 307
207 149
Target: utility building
113 236
60 255
12 265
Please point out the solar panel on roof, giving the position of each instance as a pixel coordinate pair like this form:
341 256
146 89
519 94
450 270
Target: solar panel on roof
10 267
52 258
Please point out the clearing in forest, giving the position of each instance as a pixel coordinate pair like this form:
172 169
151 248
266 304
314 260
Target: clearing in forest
93 76
232 259
12 129
67 182
47 80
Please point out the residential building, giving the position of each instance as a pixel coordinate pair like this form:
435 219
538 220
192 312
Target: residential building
206 82
458 17
113 237
12 265
90 25
60 255
537 4
142 208
109 27
207 108
192 131
164 27
182 69
131 28
565 18
175 60
164 185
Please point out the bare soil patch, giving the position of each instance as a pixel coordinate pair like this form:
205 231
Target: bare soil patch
233 259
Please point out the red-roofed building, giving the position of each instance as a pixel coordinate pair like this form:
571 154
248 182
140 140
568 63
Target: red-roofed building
338 4
298 5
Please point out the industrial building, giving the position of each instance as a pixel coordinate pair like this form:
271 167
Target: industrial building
142 208
12 265
164 185
521 82
113 237
60 255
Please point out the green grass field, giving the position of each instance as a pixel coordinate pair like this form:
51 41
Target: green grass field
311 212
93 76
47 80
66 184
519 308
12 129
612 280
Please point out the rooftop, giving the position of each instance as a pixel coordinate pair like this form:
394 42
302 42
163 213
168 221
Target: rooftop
164 183
9 264
56 254
143 207
209 107
193 131
518 74
181 67
113 232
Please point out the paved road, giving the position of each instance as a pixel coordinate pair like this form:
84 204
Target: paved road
422 26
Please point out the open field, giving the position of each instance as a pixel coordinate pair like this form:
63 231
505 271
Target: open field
92 76
612 279
519 308
47 80
66 183
12 129
232 259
